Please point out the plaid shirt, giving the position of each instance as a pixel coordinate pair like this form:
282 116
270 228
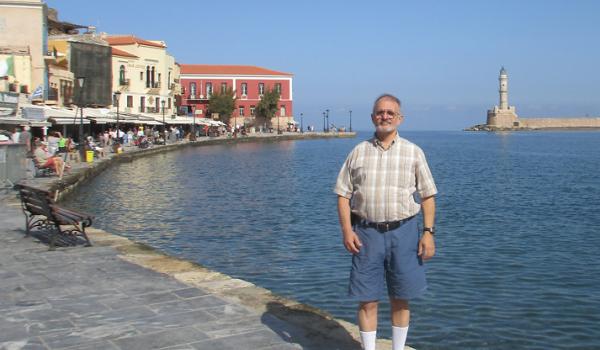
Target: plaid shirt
381 183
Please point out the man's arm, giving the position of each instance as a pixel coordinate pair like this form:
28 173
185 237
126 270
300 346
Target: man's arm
427 244
351 240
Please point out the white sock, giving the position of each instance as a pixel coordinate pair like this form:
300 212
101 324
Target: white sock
399 337
368 339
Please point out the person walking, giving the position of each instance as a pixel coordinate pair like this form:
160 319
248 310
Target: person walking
377 213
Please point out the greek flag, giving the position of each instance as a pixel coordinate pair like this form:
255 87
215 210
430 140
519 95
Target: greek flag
37 93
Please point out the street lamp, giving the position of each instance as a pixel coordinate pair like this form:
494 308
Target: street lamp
301 123
350 120
278 129
323 121
162 103
193 138
117 98
81 82
327 119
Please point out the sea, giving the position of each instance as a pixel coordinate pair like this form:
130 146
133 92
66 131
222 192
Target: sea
517 264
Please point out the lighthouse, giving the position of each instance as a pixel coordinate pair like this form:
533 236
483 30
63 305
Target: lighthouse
503 79
503 115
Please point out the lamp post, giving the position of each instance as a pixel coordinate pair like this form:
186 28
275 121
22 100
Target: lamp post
117 98
81 82
234 124
350 120
323 121
193 138
162 103
327 119
278 129
301 123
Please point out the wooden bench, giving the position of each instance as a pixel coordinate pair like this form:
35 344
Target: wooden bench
43 213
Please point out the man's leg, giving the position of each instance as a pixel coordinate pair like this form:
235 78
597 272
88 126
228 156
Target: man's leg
367 322
400 320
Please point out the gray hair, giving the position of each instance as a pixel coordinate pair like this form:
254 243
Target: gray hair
386 96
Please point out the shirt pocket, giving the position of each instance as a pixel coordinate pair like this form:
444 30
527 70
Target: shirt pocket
359 176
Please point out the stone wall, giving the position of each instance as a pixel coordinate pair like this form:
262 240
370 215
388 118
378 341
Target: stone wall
549 123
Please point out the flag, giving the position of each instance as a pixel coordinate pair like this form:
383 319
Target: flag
37 93
7 66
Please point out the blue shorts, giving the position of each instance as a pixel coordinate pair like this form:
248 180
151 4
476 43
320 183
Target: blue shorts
392 256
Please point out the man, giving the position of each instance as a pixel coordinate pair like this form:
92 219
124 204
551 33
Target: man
26 138
377 213
45 159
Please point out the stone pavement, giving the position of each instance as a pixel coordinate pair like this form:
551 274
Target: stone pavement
94 298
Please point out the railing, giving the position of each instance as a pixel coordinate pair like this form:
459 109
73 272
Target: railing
124 82
152 109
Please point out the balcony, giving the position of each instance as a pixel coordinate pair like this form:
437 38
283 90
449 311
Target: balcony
124 82
152 109
154 89
198 97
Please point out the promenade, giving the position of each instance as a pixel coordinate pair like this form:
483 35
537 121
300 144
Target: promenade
120 294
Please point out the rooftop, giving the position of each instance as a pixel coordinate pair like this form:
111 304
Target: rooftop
228 70
130 40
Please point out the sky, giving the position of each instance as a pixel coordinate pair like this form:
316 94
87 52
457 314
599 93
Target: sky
441 58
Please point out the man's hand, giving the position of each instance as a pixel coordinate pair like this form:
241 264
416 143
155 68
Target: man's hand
352 242
426 246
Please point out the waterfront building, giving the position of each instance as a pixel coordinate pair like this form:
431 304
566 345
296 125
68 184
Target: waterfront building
145 74
23 36
249 83
84 55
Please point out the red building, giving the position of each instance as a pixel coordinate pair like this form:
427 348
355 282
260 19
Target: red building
200 81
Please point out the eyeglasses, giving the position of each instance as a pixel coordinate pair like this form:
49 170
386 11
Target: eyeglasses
387 113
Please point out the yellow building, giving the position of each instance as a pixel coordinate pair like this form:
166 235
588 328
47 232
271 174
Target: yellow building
23 43
145 74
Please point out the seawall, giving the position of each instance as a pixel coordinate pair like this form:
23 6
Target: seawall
319 325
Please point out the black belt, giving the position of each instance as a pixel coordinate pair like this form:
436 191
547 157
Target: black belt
381 226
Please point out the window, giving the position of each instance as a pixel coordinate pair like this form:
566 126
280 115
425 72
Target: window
209 90
147 76
261 88
244 88
278 88
157 105
192 90
142 75
241 111
158 81
142 104
169 81
252 108
129 101
282 111
152 82
169 103
122 75
223 88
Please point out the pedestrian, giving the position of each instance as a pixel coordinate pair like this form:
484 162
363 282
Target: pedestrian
377 212
25 138
16 136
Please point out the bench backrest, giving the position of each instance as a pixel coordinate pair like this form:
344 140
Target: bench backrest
35 201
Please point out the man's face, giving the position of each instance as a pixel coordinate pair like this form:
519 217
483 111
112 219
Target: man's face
386 116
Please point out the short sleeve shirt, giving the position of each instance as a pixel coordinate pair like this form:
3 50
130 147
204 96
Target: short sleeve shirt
381 183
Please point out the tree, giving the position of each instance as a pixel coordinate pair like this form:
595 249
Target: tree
267 107
223 104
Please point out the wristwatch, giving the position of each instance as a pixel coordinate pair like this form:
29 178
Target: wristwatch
429 229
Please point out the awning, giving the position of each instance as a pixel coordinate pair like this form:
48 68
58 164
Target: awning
180 120
67 121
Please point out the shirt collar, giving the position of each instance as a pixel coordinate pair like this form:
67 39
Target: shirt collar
375 141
